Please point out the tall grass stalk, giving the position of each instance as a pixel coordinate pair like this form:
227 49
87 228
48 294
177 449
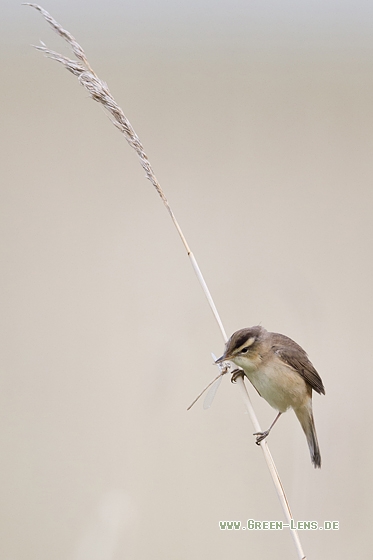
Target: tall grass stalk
99 91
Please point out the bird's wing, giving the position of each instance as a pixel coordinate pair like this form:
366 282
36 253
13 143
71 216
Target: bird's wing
294 356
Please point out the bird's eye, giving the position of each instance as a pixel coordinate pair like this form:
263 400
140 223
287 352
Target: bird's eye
244 350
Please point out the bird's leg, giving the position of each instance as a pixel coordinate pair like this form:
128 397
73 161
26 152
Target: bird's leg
262 435
235 374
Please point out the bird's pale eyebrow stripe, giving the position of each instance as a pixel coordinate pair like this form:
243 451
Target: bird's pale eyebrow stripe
241 339
245 342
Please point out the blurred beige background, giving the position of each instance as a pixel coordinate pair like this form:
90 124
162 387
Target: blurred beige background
258 120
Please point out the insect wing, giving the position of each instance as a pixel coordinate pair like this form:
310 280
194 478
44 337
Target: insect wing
211 394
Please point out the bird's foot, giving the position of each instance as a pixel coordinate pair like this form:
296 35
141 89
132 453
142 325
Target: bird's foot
236 374
260 436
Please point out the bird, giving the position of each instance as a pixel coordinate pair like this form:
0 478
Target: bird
282 374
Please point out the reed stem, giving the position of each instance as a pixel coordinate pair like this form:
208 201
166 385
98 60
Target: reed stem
99 92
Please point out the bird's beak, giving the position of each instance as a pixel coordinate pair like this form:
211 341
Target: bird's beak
222 358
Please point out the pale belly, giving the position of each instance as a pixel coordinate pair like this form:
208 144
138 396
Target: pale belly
279 385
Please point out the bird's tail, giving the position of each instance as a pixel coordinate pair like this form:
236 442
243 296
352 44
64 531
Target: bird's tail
305 417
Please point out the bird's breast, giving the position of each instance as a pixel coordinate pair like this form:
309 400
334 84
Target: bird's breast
280 385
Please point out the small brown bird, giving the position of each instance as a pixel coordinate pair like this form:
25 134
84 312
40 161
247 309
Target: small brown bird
282 374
